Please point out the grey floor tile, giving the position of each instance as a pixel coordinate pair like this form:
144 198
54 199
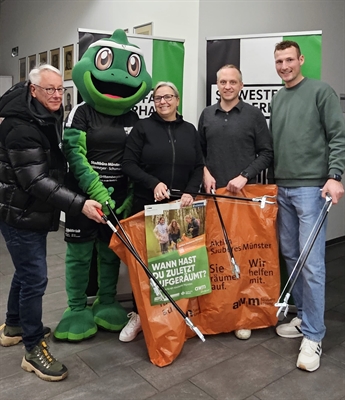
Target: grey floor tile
195 357
113 353
335 251
237 346
56 247
327 383
334 296
339 308
51 300
335 269
11 358
336 353
24 385
243 375
55 285
53 317
286 348
335 332
57 270
185 390
120 383
64 349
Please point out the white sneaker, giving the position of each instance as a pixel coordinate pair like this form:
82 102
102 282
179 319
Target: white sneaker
290 330
133 327
309 355
243 334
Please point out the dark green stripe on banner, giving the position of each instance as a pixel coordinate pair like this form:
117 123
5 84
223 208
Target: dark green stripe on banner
219 53
311 47
167 64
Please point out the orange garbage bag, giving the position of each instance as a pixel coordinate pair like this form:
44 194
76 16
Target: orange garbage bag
247 302
164 328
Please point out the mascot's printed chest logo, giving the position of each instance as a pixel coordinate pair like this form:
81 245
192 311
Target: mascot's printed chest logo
128 129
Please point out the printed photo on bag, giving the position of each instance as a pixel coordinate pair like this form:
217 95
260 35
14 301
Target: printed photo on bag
177 255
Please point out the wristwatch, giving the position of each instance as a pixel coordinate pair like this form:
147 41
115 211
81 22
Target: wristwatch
245 174
336 177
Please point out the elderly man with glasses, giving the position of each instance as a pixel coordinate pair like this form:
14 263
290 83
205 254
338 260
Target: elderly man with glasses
32 169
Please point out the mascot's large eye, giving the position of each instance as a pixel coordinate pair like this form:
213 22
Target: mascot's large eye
104 58
134 65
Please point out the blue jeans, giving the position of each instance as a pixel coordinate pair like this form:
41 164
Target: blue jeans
24 307
298 211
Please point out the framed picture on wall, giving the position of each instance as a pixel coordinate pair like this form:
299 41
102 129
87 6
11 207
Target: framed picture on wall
145 29
22 69
67 62
43 57
55 58
68 101
32 62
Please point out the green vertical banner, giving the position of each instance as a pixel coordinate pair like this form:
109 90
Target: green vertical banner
167 64
311 46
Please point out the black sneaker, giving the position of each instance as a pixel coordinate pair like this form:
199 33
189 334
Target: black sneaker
40 361
12 335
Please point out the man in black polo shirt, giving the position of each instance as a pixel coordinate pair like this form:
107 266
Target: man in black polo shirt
235 141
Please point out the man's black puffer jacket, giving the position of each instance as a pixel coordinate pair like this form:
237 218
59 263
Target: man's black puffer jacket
32 165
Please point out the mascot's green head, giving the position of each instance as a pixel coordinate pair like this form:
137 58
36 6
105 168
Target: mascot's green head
111 76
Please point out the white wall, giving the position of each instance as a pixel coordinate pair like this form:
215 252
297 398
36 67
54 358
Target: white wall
37 26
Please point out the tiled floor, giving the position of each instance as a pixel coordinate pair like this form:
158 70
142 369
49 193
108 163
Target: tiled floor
221 368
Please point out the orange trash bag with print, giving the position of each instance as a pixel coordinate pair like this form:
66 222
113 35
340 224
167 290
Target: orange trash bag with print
164 328
247 302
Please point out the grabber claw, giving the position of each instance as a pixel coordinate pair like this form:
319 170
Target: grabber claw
195 329
236 268
283 307
263 200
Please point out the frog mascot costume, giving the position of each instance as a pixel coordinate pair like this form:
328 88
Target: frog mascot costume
111 77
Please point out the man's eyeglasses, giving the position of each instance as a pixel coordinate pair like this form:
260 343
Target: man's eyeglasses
166 97
51 90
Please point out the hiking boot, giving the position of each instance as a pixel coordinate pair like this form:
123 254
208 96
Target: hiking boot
40 361
290 330
12 335
243 334
309 355
133 327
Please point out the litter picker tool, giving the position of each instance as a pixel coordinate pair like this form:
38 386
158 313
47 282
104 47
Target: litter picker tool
236 268
284 306
263 199
157 287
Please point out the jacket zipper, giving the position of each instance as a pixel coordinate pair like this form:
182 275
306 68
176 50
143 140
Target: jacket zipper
173 156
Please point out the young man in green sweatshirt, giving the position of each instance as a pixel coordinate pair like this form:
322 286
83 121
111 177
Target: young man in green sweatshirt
308 130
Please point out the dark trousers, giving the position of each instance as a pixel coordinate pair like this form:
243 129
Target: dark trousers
24 307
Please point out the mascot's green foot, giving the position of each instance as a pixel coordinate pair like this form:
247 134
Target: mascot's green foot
111 317
76 325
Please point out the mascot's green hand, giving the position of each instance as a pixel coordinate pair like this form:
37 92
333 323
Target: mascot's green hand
126 206
97 191
111 202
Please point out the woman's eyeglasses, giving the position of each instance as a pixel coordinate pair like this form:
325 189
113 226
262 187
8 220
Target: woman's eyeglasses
166 97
